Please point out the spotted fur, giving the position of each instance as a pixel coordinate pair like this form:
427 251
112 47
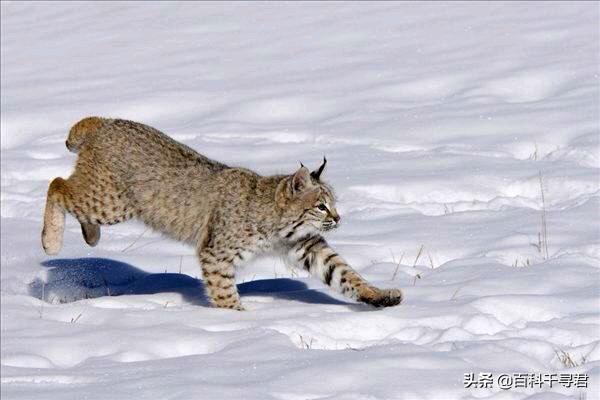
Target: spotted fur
129 170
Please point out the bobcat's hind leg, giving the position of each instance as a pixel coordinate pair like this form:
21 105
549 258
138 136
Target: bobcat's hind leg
92 205
54 217
91 233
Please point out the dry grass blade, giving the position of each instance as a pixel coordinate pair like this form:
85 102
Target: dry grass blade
565 358
418 255
74 320
544 234
417 276
306 344
430 260
455 293
397 264
135 241
41 310
108 293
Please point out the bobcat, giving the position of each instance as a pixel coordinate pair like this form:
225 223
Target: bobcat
129 170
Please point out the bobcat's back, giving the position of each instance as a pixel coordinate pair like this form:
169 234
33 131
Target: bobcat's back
138 171
131 145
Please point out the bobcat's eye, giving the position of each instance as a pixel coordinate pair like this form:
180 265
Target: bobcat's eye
322 207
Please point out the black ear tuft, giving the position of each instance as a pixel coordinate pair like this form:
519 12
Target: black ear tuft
317 174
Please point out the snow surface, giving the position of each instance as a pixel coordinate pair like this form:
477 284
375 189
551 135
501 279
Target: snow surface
437 120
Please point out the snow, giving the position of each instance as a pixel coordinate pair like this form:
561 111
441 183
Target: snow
437 120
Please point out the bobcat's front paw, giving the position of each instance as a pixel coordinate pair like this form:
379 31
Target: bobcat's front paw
230 305
381 297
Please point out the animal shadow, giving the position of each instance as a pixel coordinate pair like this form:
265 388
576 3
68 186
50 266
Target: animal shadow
73 279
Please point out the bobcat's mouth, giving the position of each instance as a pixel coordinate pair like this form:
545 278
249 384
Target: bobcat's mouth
328 226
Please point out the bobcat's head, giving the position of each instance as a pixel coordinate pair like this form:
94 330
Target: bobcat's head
307 204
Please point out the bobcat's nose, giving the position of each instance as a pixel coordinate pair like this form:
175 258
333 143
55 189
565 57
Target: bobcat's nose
336 218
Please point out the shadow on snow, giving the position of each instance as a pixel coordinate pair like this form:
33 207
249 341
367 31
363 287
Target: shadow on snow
75 279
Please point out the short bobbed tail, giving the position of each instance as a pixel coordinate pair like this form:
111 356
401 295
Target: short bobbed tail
79 132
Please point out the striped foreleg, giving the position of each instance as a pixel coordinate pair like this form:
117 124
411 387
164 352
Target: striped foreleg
219 279
321 261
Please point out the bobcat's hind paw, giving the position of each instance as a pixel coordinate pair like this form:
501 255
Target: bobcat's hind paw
51 242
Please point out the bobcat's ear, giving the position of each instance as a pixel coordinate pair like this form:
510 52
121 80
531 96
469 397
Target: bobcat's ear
300 181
